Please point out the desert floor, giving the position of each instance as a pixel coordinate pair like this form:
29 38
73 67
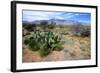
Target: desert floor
75 48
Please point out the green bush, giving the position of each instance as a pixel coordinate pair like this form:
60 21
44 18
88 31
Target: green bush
45 42
26 41
44 52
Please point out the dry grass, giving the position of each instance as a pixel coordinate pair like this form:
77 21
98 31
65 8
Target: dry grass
75 48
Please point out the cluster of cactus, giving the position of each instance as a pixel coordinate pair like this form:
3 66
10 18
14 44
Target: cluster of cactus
44 42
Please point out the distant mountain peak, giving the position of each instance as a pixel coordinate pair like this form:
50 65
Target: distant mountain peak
57 21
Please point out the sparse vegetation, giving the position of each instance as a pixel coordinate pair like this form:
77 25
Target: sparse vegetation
44 42
47 38
81 30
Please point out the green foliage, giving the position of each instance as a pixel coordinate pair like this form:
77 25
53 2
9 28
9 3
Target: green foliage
26 41
45 42
44 52
28 33
51 26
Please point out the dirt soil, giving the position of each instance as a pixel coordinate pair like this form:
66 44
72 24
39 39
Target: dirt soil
72 51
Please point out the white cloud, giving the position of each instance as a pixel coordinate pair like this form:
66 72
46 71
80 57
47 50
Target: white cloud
59 17
71 15
39 15
29 15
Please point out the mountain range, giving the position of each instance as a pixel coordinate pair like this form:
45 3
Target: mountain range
55 21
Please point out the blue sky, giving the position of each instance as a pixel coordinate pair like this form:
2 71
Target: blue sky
46 15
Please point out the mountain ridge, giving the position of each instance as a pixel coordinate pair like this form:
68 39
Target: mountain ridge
56 21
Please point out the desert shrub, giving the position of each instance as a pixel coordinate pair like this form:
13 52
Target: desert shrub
58 47
60 26
81 30
65 33
46 26
51 26
25 32
44 52
77 29
30 27
86 32
43 24
28 33
26 41
45 42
